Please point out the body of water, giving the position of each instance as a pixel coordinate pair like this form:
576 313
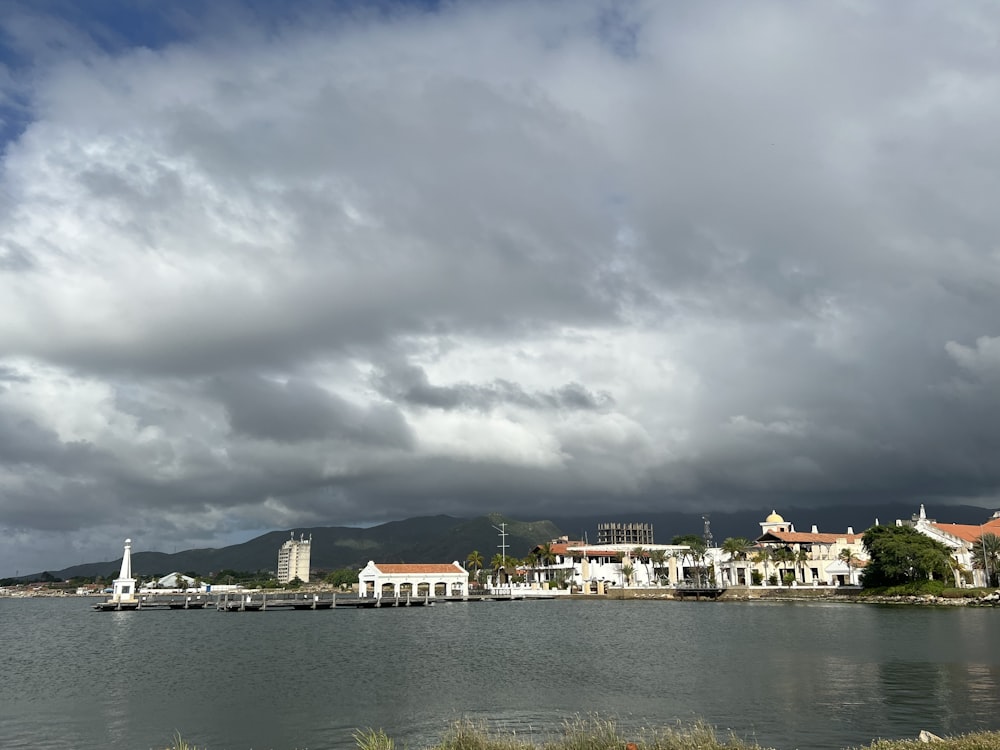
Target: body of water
807 675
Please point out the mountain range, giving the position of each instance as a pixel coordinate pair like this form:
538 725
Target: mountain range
445 538
414 540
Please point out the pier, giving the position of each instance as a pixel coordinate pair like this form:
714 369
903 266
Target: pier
263 601
697 591
156 601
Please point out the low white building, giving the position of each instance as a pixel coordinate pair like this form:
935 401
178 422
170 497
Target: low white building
417 580
591 567
172 582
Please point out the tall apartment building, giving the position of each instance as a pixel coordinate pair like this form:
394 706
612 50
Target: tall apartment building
293 559
638 534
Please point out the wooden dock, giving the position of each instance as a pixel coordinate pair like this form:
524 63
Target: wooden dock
696 592
156 601
263 601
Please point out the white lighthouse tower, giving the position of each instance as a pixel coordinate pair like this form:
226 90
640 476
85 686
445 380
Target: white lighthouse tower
124 585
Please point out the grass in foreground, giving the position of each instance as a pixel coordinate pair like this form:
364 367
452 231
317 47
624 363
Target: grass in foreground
596 734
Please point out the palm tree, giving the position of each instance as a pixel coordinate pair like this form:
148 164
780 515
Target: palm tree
627 571
531 561
986 557
782 556
737 547
475 561
698 550
847 556
763 556
659 559
801 558
640 555
547 557
496 565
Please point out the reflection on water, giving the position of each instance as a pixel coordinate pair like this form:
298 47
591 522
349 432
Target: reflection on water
787 675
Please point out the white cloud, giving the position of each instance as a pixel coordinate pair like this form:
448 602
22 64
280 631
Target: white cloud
353 267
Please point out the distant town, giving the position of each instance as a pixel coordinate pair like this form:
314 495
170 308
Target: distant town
625 558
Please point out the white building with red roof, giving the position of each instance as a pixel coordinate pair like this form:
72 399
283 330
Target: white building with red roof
811 558
960 538
417 580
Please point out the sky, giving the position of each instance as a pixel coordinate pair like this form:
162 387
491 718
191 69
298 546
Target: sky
266 266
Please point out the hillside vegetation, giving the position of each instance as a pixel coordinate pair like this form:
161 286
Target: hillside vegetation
416 540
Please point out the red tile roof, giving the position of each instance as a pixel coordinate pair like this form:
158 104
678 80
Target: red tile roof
558 548
970 533
418 568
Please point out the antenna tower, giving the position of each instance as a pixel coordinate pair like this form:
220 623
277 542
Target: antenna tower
502 528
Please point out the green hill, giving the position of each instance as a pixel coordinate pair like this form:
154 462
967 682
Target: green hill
414 540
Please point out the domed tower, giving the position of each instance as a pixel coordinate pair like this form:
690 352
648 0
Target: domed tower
775 522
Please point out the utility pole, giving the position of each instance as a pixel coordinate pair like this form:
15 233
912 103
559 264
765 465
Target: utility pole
502 528
986 559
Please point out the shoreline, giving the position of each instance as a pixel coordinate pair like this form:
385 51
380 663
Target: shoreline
731 594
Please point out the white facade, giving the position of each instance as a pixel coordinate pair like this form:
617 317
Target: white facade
592 567
293 559
378 580
123 588
173 581
815 559
959 538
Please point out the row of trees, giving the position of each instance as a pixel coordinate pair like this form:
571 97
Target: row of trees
544 557
655 561
739 550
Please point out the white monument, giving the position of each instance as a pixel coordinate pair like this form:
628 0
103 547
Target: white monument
124 584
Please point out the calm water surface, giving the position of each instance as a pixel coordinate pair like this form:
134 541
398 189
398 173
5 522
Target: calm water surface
788 675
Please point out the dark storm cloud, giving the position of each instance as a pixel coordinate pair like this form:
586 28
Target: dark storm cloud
409 383
297 410
259 269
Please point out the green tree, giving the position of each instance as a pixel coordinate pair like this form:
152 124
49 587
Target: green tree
847 556
763 557
783 557
698 550
475 561
547 558
688 540
801 558
497 565
342 577
986 557
737 547
546 554
899 555
627 571
531 562
641 557
658 557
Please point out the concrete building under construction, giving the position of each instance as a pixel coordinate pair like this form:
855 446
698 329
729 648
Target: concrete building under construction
638 534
